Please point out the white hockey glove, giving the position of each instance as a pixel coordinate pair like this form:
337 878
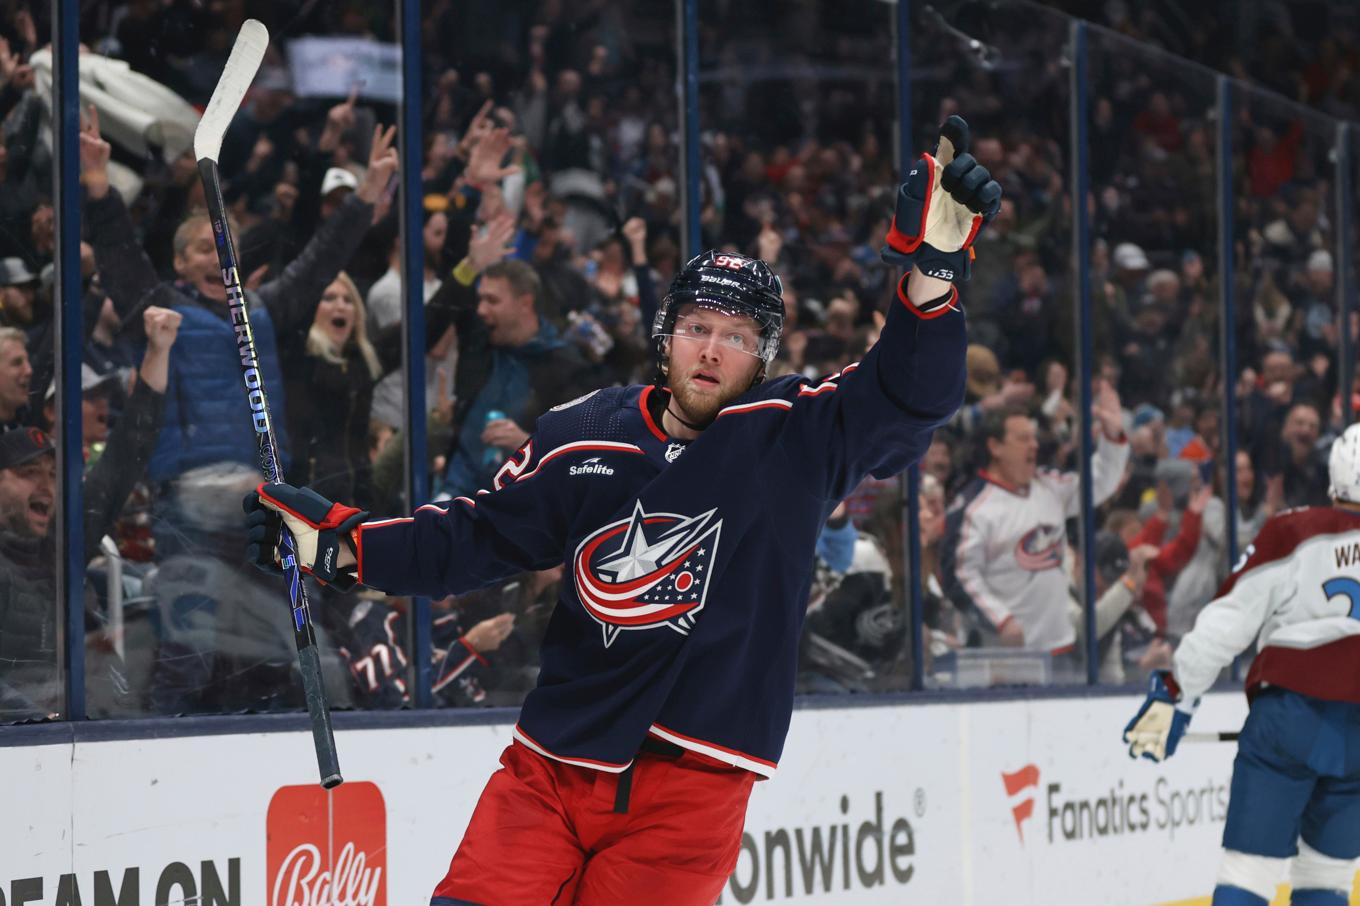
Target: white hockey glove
941 208
1159 725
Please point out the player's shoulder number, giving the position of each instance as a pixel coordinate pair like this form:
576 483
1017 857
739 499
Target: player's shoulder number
580 399
1344 587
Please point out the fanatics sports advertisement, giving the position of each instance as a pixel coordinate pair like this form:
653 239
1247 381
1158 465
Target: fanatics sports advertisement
1030 802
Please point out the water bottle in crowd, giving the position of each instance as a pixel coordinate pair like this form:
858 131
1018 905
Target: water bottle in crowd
492 456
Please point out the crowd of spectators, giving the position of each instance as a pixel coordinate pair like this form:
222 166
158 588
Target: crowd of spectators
1304 51
1155 305
552 224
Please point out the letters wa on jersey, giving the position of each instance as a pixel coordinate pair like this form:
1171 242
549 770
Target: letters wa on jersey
1295 593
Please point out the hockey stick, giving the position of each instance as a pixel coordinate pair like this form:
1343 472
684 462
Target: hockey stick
1225 736
242 64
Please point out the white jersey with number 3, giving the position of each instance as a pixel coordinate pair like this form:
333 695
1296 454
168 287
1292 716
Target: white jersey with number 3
1297 591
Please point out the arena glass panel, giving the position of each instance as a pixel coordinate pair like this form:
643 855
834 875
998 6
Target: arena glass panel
1346 248
1352 264
997 70
553 132
1161 520
31 681
177 621
1287 322
797 121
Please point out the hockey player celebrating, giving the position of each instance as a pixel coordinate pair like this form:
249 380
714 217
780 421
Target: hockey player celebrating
686 513
1296 779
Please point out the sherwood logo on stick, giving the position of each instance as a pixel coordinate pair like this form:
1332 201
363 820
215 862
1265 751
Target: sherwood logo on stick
327 847
245 346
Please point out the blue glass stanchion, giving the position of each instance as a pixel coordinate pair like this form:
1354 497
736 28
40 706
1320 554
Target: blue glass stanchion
687 85
906 151
911 481
1345 214
69 322
413 324
1081 259
1227 305
1227 317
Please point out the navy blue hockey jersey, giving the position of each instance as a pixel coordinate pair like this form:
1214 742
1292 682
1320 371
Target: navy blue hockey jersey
687 565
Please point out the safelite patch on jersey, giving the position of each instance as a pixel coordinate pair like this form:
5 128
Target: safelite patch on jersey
647 571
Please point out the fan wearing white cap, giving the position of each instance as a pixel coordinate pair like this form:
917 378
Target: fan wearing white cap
1296 780
337 185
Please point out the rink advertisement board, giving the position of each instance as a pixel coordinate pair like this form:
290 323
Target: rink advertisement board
1031 802
1007 802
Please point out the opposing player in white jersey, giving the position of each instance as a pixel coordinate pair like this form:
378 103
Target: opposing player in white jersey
1296 779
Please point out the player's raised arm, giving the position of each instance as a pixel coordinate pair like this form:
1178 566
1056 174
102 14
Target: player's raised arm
876 416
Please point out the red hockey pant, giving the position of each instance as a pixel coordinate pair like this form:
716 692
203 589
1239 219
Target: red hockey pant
545 832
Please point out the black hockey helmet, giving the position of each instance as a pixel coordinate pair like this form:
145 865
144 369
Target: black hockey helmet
729 283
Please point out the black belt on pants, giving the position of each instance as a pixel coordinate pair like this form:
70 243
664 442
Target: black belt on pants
650 745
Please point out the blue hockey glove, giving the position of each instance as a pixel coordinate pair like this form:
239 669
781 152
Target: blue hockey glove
1159 725
947 199
318 527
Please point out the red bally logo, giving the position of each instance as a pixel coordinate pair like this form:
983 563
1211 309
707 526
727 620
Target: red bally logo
327 847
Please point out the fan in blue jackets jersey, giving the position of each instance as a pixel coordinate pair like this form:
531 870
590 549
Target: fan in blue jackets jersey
686 514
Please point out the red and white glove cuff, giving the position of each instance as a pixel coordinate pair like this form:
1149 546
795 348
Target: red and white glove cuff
932 309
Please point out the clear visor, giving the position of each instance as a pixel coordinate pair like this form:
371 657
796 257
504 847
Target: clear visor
715 321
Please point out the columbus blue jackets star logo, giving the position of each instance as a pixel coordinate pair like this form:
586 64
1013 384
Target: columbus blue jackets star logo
1041 548
647 571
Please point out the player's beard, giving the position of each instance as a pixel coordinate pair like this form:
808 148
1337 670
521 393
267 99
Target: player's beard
701 408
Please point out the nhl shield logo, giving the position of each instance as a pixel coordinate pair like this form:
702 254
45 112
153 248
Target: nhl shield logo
673 452
647 571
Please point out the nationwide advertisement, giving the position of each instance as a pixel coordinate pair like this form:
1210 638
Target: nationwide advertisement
861 811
